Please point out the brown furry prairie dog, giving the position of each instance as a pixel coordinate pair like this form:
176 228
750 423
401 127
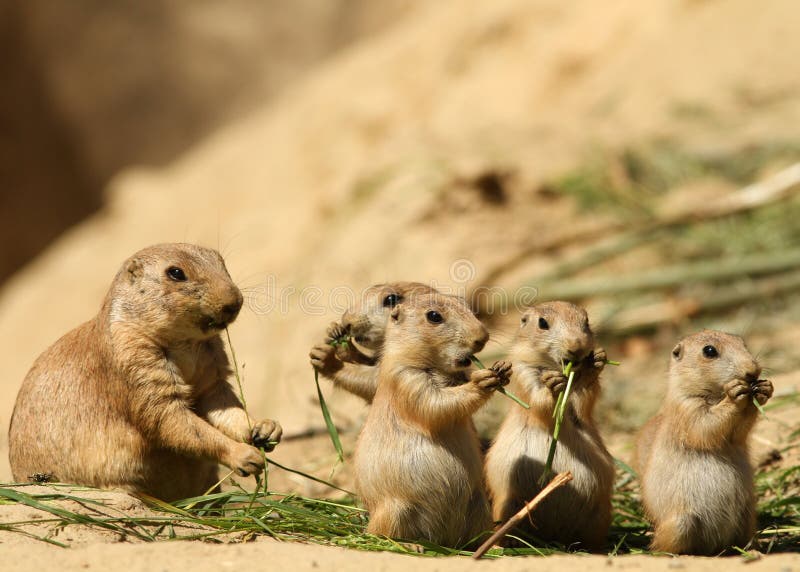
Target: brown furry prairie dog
353 367
138 397
697 482
418 461
551 334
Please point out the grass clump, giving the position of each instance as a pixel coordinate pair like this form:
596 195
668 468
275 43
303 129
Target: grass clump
239 515
630 178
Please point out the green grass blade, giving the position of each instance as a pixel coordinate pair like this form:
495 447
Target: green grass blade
310 477
558 412
760 408
501 390
326 415
513 397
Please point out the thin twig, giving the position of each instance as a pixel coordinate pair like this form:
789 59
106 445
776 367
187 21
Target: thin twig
559 480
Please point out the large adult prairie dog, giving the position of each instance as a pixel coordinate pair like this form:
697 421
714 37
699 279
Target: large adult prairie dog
138 396
352 367
418 462
697 482
551 334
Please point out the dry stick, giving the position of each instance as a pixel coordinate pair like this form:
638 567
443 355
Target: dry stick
559 480
778 187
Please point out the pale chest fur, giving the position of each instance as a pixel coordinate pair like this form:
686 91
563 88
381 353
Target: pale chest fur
196 365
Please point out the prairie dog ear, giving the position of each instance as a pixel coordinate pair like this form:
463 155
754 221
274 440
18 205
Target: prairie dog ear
677 352
134 269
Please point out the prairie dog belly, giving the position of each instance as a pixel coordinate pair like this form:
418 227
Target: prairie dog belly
714 487
522 452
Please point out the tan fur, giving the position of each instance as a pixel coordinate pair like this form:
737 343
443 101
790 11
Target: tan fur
138 396
353 368
581 511
418 460
697 483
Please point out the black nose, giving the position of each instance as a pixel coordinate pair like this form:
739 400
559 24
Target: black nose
478 343
229 312
574 357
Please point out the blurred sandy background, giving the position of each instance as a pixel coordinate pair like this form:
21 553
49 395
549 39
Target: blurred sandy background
532 145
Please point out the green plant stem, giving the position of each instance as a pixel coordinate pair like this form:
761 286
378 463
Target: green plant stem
558 414
326 415
759 407
247 414
502 390
310 477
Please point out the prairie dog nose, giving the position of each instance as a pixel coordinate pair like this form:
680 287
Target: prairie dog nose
480 341
752 373
576 349
230 311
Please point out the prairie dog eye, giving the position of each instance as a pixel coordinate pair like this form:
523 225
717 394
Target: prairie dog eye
176 274
543 325
434 317
391 301
710 352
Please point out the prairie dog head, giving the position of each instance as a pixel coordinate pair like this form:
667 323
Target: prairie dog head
552 333
434 331
175 292
366 320
702 363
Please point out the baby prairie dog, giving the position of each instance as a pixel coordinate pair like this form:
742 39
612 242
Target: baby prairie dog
138 396
692 457
551 334
418 460
352 367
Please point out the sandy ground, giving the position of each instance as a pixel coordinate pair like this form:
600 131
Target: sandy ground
276 555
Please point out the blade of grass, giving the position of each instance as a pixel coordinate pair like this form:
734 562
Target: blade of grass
558 414
69 516
501 390
326 415
311 477
760 408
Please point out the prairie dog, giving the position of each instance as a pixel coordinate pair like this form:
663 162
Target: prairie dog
692 457
353 368
417 460
137 397
551 334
